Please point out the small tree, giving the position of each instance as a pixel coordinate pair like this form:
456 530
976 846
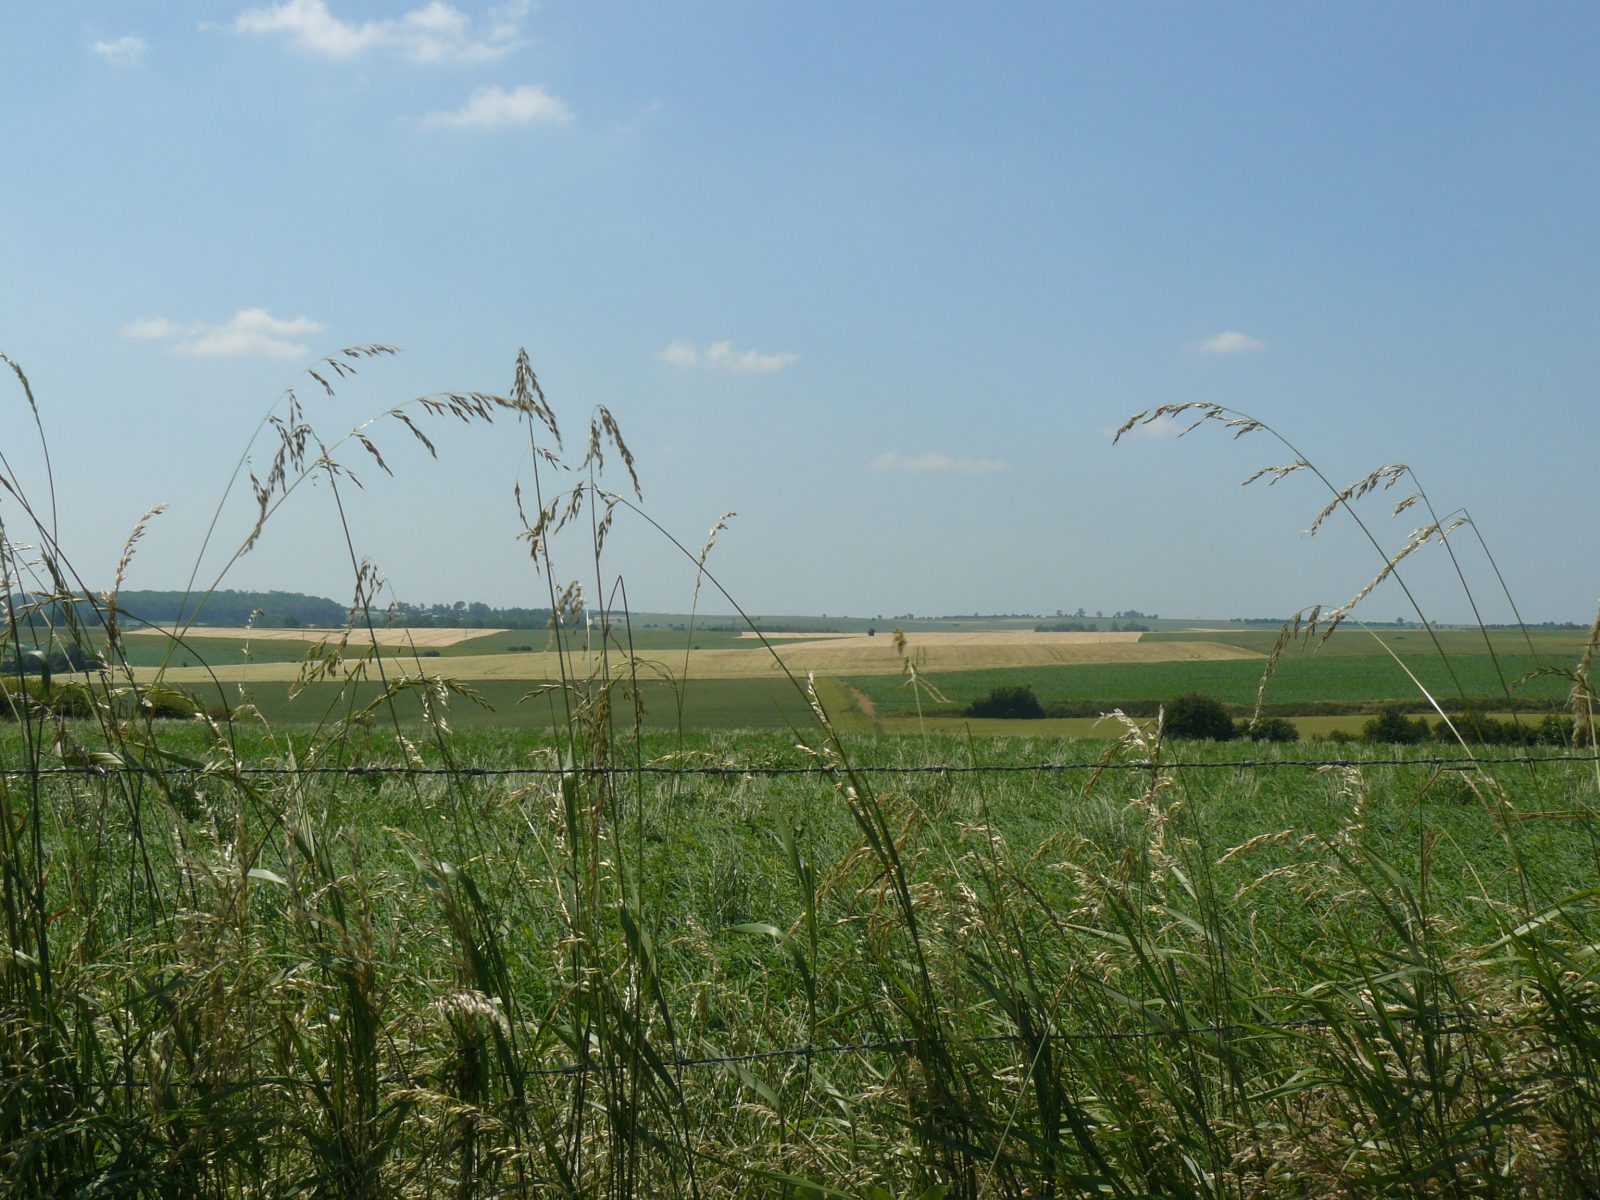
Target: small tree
1198 717
1015 702
1274 729
1393 726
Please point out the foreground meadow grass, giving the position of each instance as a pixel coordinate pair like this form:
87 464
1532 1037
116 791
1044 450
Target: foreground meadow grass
1138 980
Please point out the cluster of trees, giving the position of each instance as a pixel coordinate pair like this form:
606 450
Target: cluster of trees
1015 702
1203 718
1188 716
1393 727
1089 627
273 610
464 615
1122 614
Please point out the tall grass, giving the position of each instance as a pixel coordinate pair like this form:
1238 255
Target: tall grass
597 981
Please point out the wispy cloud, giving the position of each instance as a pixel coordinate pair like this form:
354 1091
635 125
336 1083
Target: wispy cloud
123 51
496 108
250 332
435 32
154 329
893 460
1230 342
721 356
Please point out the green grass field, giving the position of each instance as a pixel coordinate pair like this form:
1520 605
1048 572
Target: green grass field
523 704
1072 981
196 650
1344 677
1562 645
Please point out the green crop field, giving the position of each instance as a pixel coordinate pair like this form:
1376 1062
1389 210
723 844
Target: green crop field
521 704
1297 681
198 650
1562 645
745 689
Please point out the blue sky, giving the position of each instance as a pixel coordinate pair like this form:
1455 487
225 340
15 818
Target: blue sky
881 278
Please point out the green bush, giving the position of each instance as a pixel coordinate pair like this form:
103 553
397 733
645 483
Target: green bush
1199 718
1554 730
1273 729
1393 727
1013 702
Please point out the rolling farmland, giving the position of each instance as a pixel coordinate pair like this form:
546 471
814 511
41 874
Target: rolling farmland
727 678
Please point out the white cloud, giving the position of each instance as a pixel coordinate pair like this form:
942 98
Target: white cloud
123 51
1231 342
154 328
681 354
496 108
893 460
436 32
721 356
250 332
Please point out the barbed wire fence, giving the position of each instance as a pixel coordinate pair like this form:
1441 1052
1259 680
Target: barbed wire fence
823 770
1462 1022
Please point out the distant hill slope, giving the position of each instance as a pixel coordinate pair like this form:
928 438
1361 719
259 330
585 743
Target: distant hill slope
228 607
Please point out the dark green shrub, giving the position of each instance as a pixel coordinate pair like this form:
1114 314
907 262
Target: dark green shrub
1017 703
1273 729
1199 718
1554 730
1488 731
1393 727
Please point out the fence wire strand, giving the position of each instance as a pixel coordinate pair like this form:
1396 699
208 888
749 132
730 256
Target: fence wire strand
760 770
1458 1023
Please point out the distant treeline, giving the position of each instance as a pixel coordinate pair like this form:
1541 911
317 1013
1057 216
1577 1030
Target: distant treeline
134 608
272 610
1089 627
277 610
462 615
